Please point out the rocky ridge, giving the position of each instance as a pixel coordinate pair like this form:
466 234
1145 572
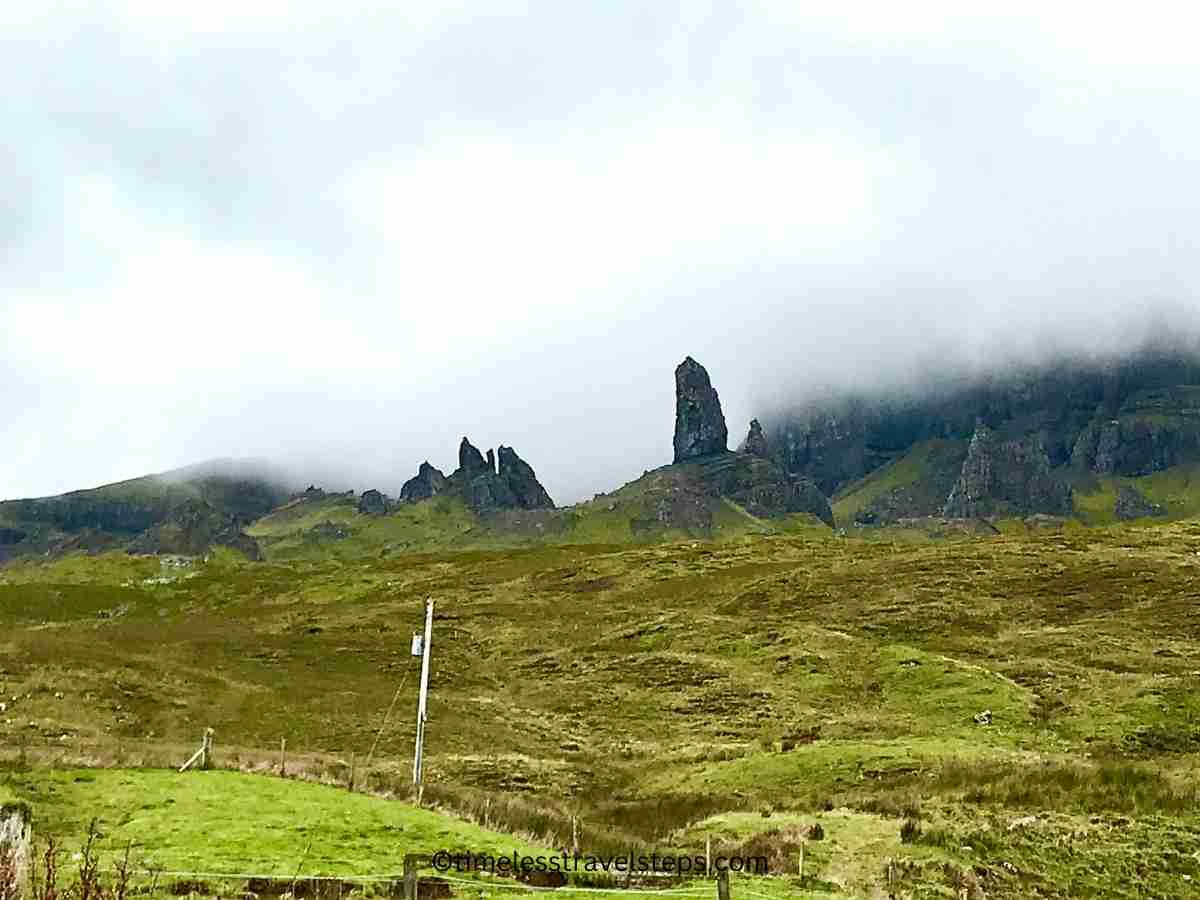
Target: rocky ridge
1027 436
756 483
500 480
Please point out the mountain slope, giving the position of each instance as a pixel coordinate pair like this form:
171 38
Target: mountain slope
183 511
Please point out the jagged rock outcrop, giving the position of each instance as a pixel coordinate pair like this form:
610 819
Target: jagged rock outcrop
1006 477
756 441
1136 446
428 482
501 480
761 487
471 461
191 529
705 468
1131 504
699 423
373 503
519 476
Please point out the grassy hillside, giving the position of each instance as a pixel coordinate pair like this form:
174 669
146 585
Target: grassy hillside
221 821
663 505
918 482
1176 490
650 688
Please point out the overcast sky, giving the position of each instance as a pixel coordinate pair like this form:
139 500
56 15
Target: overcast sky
349 236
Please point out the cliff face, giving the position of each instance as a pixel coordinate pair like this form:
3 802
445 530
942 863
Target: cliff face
1151 431
1006 477
1042 426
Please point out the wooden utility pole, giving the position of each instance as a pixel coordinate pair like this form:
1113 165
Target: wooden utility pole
418 754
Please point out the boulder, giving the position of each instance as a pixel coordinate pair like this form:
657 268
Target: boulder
372 503
428 482
699 423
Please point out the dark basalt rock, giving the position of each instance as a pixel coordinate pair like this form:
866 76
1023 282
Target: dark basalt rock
756 441
761 487
191 529
1131 415
699 423
428 482
519 476
1131 504
1135 446
372 503
470 460
12 535
502 480
483 491
1006 477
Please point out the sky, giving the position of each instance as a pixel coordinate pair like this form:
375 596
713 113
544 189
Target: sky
343 236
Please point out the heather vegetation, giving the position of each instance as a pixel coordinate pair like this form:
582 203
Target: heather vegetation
1021 706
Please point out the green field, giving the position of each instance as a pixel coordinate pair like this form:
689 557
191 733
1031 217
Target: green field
742 690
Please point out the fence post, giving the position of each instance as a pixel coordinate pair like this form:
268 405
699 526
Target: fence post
282 757
410 876
708 856
575 835
16 838
723 884
206 750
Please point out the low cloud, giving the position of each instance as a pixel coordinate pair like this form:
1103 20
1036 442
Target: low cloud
344 238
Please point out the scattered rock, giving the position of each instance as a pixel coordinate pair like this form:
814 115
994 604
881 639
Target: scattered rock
699 423
1132 504
327 531
984 718
373 503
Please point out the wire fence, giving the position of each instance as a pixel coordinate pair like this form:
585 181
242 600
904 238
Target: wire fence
413 883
